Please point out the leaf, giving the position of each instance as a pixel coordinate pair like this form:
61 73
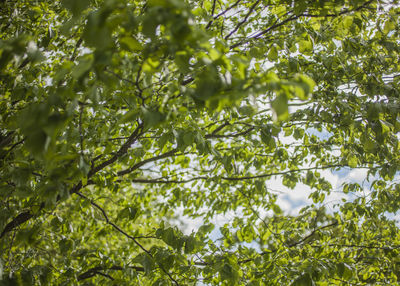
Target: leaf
280 107
76 6
306 83
131 44
344 271
273 53
304 280
130 212
305 46
146 261
205 229
84 66
347 21
96 34
352 161
66 245
389 26
152 117
229 273
190 244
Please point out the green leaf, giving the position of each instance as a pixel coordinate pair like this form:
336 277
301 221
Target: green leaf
347 21
96 34
76 6
280 107
152 117
305 46
352 161
66 245
389 26
304 280
229 273
131 44
306 83
344 271
273 53
84 66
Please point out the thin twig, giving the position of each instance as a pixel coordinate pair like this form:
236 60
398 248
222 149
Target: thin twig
80 128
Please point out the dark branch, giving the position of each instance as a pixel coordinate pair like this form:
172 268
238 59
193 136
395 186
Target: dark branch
312 234
116 227
18 220
96 271
223 13
74 53
25 216
259 34
213 7
243 21
365 246
294 17
122 151
140 164
294 243
213 135
166 181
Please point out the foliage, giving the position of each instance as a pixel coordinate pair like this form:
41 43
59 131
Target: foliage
118 118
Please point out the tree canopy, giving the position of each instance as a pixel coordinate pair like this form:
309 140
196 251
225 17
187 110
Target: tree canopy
150 142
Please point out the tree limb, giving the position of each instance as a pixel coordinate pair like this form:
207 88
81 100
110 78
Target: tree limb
294 17
222 13
27 215
95 271
243 21
116 227
124 148
140 164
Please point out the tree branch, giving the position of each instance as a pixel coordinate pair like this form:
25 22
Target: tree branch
116 227
27 215
312 233
140 164
18 220
124 148
95 271
223 13
213 135
294 17
294 243
244 20
165 181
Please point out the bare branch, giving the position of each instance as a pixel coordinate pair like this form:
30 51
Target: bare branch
140 164
244 20
312 234
166 181
116 227
80 128
18 220
213 7
124 148
96 271
213 135
223 13
294 17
